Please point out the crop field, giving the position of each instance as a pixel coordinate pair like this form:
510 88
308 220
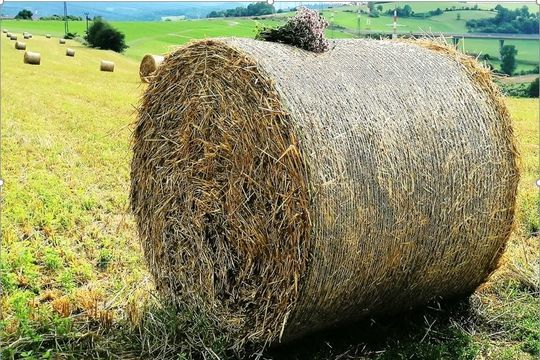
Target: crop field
73 279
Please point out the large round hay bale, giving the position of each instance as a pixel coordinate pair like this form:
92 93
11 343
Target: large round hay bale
149 65
282 191
19 45
32 58
61 41
70 52
106 66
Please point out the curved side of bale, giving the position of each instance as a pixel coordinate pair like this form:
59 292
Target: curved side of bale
106 66
32 58
291 191
149 65
70 52
20 45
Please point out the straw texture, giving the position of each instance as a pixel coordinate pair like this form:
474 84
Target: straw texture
148 67
106 66
19 45
283 191
32 58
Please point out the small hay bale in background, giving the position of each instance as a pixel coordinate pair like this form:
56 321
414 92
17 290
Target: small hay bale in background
48 36
26 36
149 65
32 58
9 35
13 37
290 191
19 45
70 52
106 66
4 31
61 41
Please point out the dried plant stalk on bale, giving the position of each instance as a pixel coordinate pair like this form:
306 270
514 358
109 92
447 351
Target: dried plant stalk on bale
70 52
282 191
32 58
149 65
19 45
106 66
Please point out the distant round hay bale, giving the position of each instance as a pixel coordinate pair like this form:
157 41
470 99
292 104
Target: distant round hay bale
32 58
70 52
9 35
282 191
4 31
62 41
26 36
19 45
149 65
13 37
106 66
48 36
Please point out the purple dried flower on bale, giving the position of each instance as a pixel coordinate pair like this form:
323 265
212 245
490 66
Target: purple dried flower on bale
305 30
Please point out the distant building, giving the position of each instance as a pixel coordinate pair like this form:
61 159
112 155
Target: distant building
173 18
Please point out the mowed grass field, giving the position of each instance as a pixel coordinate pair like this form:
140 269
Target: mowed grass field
160 36
73 279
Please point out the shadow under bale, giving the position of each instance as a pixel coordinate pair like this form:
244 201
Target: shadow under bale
282 192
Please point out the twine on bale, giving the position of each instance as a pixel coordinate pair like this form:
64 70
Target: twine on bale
281 191
148 67
20 45
106 66
70 52
32 58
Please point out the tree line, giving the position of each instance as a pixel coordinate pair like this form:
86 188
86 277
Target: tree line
256 9
519 21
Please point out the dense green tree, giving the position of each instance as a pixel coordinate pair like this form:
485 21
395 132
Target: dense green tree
24 15
533 88
102 35
508 59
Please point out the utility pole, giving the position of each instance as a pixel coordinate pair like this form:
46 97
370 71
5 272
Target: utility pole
394 33
358 20
86 14
66 26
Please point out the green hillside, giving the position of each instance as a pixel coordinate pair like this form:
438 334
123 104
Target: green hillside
159 37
